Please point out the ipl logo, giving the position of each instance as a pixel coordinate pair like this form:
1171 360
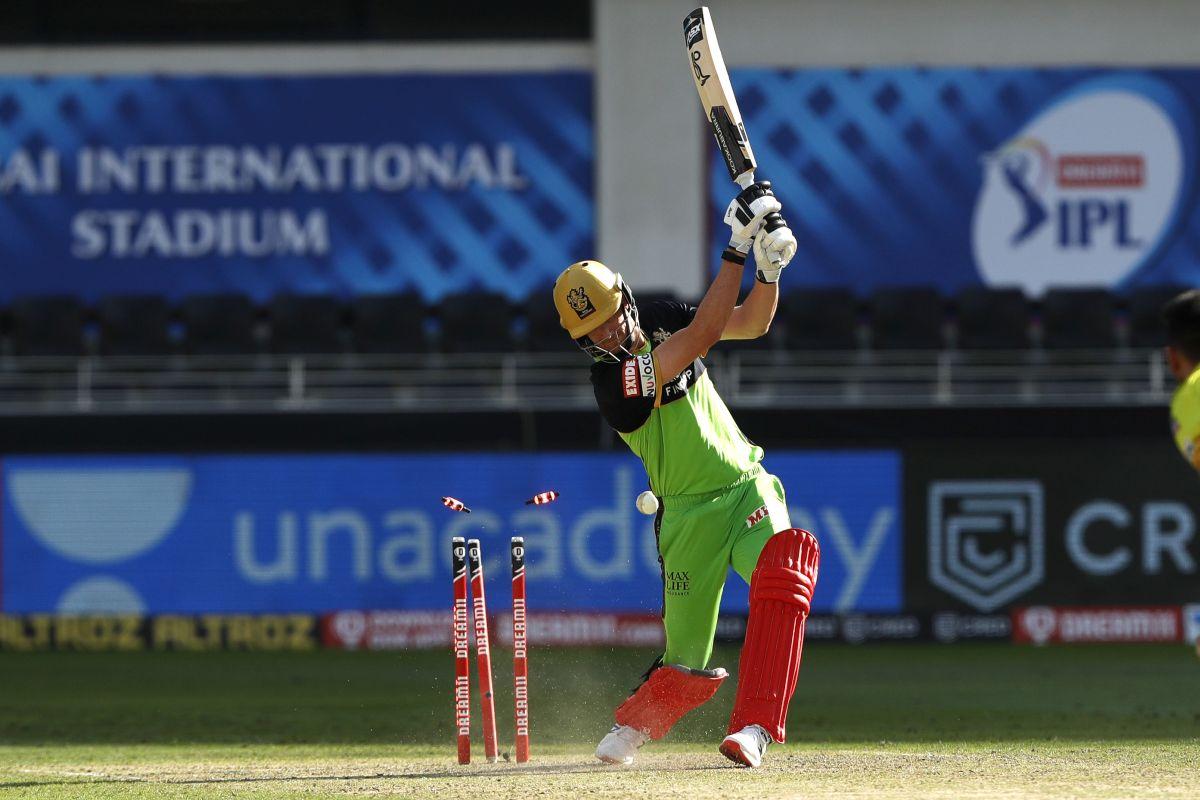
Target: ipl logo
986 540
1086 192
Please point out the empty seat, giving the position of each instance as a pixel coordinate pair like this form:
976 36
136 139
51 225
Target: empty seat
819 319
389 323
306 324
476 322
992 319
907 318
1146 327
1078 318
47 326
543 333
134 325
218 324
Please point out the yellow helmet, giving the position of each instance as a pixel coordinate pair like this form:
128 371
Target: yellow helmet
586 294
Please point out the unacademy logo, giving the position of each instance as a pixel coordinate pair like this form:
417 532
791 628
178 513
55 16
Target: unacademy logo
1083 195
99 517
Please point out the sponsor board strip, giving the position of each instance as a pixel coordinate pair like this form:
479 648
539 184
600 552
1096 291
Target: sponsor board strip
393 630
1097 624
163 632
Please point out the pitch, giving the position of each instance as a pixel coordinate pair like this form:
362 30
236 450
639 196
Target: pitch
880 721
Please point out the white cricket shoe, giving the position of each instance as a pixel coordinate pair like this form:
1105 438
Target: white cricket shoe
621 744
748 746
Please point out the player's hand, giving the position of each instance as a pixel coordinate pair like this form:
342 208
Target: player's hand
774 247
746 213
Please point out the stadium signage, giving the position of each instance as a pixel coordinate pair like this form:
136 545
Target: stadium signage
1085 192
1026 177
261 185
986 540
246 534
1037 524
1091 625
164 632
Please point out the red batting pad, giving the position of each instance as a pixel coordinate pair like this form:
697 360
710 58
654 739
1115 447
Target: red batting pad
668 694
781 592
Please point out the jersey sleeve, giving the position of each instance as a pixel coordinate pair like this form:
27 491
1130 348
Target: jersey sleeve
626 392
1185 421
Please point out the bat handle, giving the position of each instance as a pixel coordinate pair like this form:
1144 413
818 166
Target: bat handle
745 179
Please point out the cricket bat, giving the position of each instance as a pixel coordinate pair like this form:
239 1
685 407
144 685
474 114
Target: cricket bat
720 104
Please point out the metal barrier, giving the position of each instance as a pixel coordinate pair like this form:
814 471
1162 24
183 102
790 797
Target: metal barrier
553 381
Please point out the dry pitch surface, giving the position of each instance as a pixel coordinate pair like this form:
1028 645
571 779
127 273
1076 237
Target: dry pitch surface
1149 769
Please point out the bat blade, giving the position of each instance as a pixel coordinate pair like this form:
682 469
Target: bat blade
716 95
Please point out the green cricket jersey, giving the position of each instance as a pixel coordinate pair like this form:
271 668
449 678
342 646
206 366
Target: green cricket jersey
1185 418
690 443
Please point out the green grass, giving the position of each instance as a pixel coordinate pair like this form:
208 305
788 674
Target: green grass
886 720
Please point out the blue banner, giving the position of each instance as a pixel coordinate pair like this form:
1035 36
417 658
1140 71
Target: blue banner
960 177
195 534
259 185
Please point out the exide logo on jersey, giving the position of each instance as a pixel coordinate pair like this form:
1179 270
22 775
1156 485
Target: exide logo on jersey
629 374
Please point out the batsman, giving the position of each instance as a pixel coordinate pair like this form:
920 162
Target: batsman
718 506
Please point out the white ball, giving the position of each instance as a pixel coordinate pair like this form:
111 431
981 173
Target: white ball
647 503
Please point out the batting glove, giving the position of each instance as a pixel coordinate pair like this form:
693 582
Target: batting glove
774 247
746 213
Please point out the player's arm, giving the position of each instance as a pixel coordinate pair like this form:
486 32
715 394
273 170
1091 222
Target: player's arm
774 247
745 217
753 317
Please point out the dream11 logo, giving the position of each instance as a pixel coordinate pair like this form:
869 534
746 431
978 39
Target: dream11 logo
1087 192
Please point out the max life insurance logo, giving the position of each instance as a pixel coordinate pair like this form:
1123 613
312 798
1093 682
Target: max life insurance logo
1087 192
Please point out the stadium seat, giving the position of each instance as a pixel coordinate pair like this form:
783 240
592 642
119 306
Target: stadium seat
819 319
476 322
47 326
218 324
389 323
134 325
907 318
1145 315
306 324
542 331
992 319
1078 319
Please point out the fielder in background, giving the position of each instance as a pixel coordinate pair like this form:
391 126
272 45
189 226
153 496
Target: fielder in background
719 507
1182 319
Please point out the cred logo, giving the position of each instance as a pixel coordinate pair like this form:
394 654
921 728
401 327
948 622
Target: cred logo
986 539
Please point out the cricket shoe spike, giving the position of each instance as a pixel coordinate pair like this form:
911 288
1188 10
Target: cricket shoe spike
620 745
747 747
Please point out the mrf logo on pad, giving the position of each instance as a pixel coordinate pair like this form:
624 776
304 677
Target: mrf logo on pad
637 377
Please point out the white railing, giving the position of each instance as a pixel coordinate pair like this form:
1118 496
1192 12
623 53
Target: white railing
519 381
